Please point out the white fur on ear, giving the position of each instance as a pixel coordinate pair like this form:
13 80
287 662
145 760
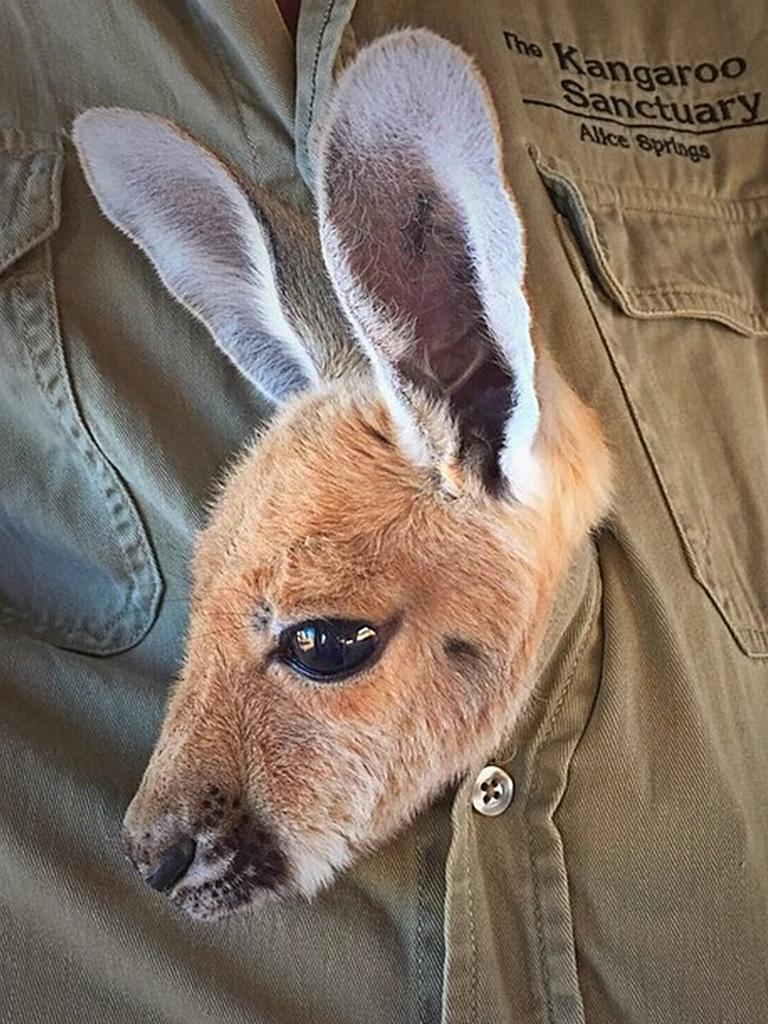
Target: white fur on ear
183 207
425 246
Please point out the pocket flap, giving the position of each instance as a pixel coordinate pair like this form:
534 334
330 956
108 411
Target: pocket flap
660 253
30 210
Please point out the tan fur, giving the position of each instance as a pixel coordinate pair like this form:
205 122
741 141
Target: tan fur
310 304
335 769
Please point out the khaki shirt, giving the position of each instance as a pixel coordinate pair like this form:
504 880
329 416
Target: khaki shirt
627 882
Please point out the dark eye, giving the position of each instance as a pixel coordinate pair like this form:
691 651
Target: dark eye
328 649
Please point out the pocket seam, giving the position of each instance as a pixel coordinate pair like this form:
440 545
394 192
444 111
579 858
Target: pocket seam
726 304
732 217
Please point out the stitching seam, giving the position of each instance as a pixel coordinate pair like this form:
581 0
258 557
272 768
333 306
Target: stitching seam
538 913
313 94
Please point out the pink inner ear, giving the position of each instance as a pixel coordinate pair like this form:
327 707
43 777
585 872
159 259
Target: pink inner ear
404 245
406 248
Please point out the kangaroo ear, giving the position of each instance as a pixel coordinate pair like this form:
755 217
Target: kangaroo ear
204 236
425 248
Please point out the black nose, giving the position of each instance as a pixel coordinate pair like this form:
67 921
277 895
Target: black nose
172 864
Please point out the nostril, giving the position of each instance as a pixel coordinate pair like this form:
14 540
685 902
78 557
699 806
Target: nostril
173 864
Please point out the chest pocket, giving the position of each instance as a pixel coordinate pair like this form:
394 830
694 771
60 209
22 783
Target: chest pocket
679 288
76 567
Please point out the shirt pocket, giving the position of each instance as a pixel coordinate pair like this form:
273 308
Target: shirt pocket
76 566
679 290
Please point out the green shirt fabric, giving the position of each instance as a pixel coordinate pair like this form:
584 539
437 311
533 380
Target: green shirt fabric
627 883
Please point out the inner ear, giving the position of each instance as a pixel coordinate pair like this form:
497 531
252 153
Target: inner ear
426 269
425 248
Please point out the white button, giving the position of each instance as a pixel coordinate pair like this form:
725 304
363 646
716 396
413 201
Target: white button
493 791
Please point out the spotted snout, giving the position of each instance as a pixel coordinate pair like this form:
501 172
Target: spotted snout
221 857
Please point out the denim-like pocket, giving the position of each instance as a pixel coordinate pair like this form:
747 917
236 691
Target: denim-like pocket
76 565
